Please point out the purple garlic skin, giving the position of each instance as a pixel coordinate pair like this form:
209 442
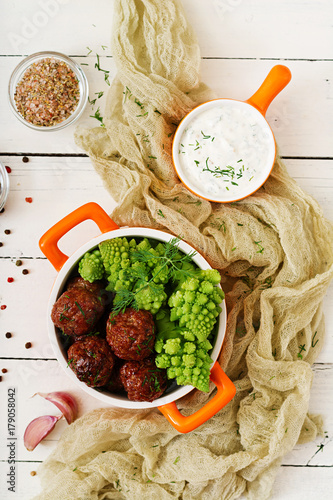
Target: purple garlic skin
64 402
38 429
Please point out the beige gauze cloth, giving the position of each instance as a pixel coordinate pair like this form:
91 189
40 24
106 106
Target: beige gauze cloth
275 255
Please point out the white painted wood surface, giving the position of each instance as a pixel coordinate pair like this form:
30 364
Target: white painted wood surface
240 41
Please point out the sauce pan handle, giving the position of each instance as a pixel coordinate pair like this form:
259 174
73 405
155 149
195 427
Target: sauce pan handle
225 392
49 241
276 80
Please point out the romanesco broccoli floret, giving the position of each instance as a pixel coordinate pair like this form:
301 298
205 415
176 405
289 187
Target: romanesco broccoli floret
185 358
91 266
195 303
211 275
150 297
116 259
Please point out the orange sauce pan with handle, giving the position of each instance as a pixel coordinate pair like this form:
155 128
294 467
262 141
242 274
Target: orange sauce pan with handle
276 80
65 264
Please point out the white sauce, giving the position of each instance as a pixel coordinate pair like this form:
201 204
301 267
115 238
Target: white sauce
225 150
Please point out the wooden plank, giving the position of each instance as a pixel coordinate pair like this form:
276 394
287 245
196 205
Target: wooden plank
300 116
306 483
28 378
279 29
27 486
292 483
31 376
320 451
29 294
45 179
57 186
16 137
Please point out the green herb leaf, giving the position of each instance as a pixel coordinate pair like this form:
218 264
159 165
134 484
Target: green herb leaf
80 308
98 117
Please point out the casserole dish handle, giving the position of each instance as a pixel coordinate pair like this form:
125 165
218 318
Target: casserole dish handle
276 80
225 392
49 241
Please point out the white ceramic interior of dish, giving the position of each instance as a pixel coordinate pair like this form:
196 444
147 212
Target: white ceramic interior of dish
184 177
18 73
58 286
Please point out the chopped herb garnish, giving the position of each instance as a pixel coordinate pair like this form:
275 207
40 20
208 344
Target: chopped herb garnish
127 93
96 377
261 248
80 308
301 349
160 213
314 344
98 117
136 101
62 317
197 203
177 460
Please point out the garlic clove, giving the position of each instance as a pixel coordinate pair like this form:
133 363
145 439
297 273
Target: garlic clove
64 402
38 429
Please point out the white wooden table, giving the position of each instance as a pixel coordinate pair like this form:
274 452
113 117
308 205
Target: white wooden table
240 41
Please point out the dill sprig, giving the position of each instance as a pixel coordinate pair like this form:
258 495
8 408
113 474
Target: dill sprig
171 260
98 117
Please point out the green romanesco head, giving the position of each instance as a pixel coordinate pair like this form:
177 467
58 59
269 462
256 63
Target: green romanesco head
91 266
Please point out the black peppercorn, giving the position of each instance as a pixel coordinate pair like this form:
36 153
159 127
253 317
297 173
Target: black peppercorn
28 345
8 335
18 262
7 231
25 159
25 271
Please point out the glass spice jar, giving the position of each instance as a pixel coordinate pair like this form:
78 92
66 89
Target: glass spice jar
4 185
48 91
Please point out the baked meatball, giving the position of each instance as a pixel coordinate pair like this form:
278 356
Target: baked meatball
77 311
142 380
131 334
115 384
96 288
92 360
